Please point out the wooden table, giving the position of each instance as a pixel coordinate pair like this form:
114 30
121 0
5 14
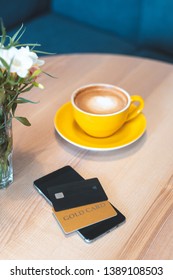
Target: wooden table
137 179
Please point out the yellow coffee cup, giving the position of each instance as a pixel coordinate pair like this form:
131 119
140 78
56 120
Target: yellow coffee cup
101 109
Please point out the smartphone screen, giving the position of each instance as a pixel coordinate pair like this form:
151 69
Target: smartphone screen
67 175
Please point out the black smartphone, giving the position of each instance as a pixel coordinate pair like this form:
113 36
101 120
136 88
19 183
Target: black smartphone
61 176
93 232
67 175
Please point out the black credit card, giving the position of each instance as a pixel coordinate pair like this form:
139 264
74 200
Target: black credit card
75 194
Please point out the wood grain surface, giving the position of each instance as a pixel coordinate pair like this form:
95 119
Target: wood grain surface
137 179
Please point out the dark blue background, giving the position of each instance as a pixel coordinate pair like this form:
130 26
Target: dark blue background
133 27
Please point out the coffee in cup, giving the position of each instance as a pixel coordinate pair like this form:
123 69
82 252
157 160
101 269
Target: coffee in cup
101 109
95 100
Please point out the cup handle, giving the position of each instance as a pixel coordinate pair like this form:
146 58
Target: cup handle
134 112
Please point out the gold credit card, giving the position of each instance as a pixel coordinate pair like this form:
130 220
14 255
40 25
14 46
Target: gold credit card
83 216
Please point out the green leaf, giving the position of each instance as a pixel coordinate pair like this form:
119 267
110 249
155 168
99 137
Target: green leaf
5 64
14 106
2 96
49 75
3 30
23 121
12 82
17 33
42 52
1 74
21 100
27 89
35 74
29 45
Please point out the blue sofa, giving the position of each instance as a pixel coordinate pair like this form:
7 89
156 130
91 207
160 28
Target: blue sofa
133 27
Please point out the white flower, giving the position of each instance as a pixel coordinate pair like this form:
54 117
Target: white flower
20 60
7 55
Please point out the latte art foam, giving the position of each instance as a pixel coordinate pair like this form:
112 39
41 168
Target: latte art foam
101 101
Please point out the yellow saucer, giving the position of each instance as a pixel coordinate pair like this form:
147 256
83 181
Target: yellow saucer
68 129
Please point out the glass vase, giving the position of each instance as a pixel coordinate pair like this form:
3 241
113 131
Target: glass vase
6 147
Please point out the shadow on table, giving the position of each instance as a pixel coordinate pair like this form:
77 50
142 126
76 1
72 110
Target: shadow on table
102 155
25 172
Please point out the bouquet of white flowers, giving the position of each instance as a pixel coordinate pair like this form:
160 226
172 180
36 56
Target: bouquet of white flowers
19 70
